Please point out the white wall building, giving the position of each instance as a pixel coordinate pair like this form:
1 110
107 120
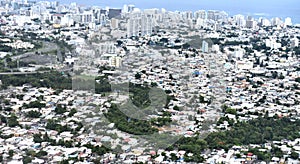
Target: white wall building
244 65
114 23
272 44
295 42
240 20
139 24
288 21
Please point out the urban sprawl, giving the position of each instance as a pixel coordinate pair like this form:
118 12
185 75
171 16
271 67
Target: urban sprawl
88 84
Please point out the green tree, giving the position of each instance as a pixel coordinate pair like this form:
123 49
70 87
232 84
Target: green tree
46 137
230 111
138 76
154 84
35 104
13 121
41 153
26 159
11 153
64 162
37 138
173 157
33 114
176 108
72 112
294 155
60 109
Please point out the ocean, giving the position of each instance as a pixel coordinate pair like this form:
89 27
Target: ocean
255 8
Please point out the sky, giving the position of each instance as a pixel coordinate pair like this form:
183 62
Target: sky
280 8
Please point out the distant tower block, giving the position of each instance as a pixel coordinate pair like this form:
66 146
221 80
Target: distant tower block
294 42
288 21
139 24
204 46
114 23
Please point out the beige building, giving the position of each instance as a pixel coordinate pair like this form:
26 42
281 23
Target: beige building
114 23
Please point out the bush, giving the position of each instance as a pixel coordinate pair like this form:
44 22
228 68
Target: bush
12 121
33 114
60 109
294 155
129 125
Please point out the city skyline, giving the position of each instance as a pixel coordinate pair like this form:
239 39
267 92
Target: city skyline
256 8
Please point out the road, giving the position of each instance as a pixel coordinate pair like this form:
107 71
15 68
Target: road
22 73
34 72
47 47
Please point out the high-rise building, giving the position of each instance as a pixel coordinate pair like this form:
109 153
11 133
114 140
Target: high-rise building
54 4
200 14
276 21
272 43
200 22
73 5
146 25
114 13
251 23
187 15
86 17
265 22
115 61
204 46
240 20
139 24
130 8
151 12
211 15
133 27
125 9
67 20
114 23
294 42
288 21
102 19
216 15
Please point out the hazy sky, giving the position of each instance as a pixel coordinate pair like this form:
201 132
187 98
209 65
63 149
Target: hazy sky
191 3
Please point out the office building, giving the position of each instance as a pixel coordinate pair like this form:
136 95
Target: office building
200 14
288 21
130 8
114 13
114 23
294 42
139 25
251 23
265 22
87 17
239 20
205 46
276 21
272 43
